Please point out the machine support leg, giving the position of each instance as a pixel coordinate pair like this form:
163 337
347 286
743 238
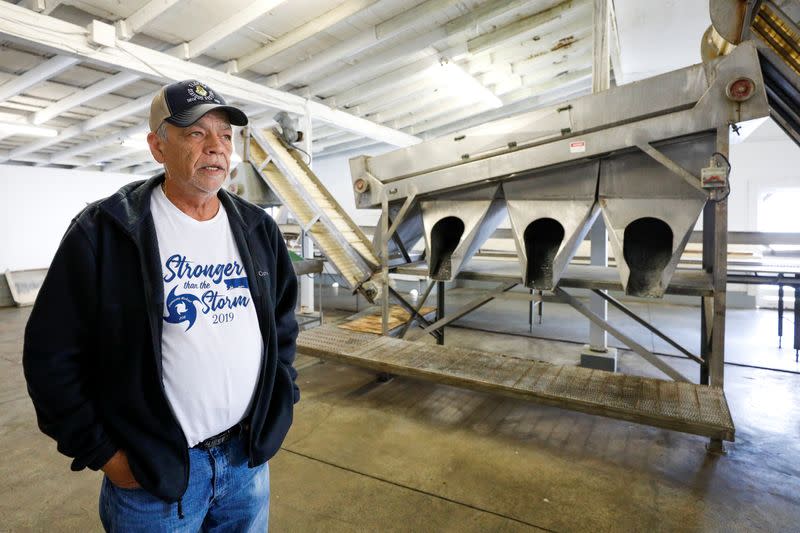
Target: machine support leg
598 340
383 231
780 315
717 215
420 304
716 447
440 309
796 325
531 304
541 305
706 314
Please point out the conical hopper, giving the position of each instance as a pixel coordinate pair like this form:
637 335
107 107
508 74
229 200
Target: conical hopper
246 182
456 225
551 212
650 212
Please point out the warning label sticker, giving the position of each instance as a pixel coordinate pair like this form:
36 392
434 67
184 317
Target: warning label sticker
577 147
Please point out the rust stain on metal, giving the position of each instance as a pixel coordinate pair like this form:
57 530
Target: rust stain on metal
566 42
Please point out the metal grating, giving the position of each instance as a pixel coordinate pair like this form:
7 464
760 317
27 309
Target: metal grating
685 407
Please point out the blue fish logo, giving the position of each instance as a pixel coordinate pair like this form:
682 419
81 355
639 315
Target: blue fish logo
181 308
235 283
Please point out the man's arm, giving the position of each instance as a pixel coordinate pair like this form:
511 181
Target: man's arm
56 356
285 301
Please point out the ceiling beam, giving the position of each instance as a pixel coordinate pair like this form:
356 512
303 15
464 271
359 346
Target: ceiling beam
130 26
601 65
552 39
25 26
44 160
86 126
221 30
467 24
396 95
147 168
109 154
521 100
100 88
372 94
616 58
518 30
320 146
348 149
420 16
376 86
44 7
116 137
137 158
39 73
297 35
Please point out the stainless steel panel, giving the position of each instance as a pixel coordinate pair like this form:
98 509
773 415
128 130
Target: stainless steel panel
410 231
650 212
551 212
246 182
664 93
713 109
457 225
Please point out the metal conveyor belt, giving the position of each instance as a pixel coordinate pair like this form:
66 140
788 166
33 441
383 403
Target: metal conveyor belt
331 228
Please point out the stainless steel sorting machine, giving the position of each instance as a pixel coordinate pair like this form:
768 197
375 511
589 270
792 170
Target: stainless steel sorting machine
649 157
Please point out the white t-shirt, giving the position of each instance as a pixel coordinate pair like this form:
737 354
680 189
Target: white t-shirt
211 343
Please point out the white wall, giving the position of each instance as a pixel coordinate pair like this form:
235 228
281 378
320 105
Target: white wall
757 168
36 206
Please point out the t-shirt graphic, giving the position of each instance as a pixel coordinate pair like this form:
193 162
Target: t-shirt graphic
217 284
211 345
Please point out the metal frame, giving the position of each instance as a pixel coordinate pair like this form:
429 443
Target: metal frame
713 301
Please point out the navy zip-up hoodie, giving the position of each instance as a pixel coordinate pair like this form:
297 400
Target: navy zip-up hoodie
92 354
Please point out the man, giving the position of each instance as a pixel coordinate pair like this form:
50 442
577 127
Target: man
161 344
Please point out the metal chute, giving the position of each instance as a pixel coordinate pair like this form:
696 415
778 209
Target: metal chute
551 211
650 212
456 224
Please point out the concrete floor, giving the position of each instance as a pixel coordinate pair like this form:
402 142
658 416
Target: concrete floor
414 456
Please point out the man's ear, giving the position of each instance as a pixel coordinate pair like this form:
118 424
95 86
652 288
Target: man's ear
156 146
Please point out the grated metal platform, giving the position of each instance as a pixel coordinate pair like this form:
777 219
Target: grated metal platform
685 407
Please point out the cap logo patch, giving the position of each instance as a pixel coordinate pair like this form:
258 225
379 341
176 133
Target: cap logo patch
201 93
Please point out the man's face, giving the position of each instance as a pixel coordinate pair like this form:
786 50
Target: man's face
197 158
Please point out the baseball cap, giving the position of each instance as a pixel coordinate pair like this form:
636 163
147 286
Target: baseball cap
182 103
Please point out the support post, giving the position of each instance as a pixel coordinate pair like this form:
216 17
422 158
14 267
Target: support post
598 340
440 309
597 353
541 306
530 313
796 325
780 314
306 281
719 227
720 273
707 302
307 245
383 231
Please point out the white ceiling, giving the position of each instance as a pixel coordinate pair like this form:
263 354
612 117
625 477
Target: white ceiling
379 60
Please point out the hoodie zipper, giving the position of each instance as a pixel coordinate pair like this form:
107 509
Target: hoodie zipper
265 339
157 355
156 345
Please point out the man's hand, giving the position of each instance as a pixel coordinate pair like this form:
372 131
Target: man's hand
119 471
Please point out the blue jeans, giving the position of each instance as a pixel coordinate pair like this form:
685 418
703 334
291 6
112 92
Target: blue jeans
223 495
